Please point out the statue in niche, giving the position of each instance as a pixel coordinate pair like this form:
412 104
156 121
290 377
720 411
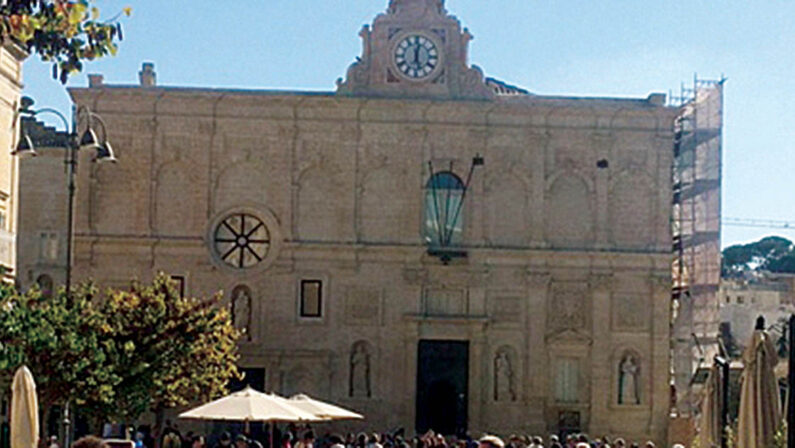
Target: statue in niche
503 378
359 383
628 381
241 310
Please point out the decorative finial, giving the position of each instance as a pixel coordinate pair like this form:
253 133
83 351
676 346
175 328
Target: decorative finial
397 6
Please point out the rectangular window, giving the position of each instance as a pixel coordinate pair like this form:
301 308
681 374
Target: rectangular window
740 300
311 298
179 283
567 380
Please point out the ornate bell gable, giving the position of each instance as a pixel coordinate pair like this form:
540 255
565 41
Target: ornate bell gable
415 50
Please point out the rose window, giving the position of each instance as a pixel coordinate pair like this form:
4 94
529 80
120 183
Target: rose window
242 240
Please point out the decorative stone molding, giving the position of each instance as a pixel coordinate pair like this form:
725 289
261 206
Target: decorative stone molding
601 282
376 72
415 275
567 307
537 280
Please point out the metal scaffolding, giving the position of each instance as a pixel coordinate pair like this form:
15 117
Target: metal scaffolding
696 220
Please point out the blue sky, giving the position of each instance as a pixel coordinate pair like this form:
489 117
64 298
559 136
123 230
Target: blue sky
582 47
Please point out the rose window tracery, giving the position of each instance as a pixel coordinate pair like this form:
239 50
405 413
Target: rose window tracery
242 240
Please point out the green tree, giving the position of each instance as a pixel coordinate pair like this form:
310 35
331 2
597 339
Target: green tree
122 354
65 32
64 345
775 254
169 350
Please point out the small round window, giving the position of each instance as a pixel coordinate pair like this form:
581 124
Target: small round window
241 240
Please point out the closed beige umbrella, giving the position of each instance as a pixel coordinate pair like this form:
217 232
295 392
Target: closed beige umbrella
760 411
249 405
710 424
320 409
24 410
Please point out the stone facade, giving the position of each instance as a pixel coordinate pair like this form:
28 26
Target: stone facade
557 316
11 57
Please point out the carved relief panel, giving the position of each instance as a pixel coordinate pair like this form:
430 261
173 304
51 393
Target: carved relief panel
363 306
630 312
568 308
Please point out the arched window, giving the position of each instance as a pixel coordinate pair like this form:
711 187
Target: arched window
46 285
444 220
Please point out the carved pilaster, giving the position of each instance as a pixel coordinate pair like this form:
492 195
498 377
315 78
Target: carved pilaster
602 143
539 143
537 280
601 282
661 284
415 275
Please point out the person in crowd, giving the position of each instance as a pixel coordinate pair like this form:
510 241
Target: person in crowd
139 439
619 443
187 441
225 441
374 441
197 442
53 442
361 441
308 441
335 441
489 441
241 441
649 444
287 440
90 442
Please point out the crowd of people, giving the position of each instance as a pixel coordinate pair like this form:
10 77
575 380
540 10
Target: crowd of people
295 437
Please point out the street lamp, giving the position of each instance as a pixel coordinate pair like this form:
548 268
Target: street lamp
447 219
82 119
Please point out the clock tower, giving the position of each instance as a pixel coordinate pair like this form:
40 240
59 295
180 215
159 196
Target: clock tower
415 50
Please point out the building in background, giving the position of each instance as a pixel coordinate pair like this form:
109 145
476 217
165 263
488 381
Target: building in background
375 260
742 301
41 257
11 57
696 233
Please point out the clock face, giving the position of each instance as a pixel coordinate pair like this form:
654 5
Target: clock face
416 56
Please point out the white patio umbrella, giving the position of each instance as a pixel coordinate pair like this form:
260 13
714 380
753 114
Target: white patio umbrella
249 405
24 410
760 414
325 411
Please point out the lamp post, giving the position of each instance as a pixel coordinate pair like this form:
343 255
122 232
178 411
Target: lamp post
82 120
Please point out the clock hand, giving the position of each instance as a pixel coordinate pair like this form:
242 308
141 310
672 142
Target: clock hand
416 56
